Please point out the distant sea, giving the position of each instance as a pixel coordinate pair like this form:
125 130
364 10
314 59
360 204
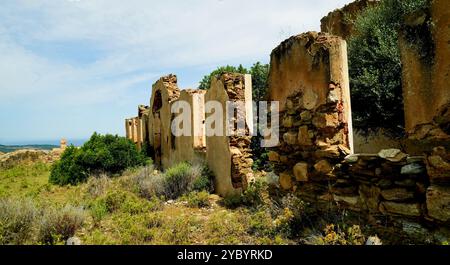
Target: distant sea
9 146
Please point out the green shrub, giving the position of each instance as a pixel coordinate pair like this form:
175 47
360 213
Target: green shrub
101 154
197 199
254 194
375 67
122 201
232 201
178 180
173 183
68 170
203 179
16 221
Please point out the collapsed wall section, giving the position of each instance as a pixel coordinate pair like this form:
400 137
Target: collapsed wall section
340 22
229 156
309 78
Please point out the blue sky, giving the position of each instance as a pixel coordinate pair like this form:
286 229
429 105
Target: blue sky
72 67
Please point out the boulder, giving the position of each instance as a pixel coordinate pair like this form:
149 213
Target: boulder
301 172
438 203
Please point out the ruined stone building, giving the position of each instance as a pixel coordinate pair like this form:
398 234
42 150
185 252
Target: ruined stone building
316 158
136 128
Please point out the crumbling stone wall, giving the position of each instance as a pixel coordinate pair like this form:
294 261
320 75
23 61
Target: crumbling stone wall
192 148
132 128
340 21
426 75
229 157
309 77
136 128
164 92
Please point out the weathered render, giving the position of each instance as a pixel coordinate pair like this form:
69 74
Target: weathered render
340 21
229 157
165 92
426 75
192 147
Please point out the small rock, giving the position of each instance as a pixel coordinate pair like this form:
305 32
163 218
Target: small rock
323 167
413 169
303 136
290 138
285 181
306 115
389 153
324 120
273 156
310 99
374 241
288 121
332 97
301 172
73 241
351 158
235 151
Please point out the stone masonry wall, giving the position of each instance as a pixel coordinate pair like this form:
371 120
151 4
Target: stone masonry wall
309 77
314 159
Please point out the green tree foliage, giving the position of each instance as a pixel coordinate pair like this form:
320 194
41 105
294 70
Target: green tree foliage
375 66
205 83
101 154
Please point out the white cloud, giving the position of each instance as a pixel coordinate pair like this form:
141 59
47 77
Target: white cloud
136 40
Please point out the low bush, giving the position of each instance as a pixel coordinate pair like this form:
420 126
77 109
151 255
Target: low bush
22 222
101 154
175 182
197 199
16 221
57 225
333 235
